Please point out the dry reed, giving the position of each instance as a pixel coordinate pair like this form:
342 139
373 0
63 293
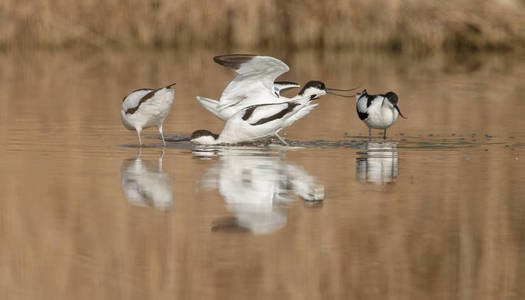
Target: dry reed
399 25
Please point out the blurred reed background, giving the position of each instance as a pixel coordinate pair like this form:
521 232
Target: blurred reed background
397 25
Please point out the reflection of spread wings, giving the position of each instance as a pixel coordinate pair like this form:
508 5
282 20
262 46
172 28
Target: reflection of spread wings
257 186
255 80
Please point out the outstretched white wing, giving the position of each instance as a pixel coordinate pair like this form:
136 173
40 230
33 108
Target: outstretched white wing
255 80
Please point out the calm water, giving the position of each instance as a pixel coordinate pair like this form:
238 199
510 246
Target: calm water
437 211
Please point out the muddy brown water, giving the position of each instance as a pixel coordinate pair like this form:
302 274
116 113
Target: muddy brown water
436 211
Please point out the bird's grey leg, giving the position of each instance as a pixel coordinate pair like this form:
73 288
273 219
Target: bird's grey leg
138 133
159 167
369 133
162 135
384 135
281 139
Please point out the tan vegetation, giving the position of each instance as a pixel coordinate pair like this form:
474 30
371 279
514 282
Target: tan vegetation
398 25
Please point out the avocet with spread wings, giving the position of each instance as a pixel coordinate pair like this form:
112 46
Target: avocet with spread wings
255 84
258 121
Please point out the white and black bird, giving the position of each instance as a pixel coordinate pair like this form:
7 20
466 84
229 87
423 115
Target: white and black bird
260 121
378 111
146 108
254 85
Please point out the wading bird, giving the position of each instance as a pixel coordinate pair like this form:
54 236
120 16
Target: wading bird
260 121
255 84
378 111
146 108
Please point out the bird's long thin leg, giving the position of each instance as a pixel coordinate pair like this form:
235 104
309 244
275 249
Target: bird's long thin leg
162 135
369 133
281 139
384 135
138 134
159 166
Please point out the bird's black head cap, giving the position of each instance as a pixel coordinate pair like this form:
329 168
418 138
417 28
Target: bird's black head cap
392 97
313 83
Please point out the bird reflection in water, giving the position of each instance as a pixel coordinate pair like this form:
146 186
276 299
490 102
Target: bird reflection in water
258 187
145 183
378 164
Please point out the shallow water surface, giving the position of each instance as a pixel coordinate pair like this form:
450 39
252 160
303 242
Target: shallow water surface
435 211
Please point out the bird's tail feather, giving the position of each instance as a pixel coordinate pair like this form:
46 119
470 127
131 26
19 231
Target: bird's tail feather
210 105
303 111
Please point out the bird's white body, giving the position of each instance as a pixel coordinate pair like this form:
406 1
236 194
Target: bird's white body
254 85
224 114
377 111
146 108
381 114
257 122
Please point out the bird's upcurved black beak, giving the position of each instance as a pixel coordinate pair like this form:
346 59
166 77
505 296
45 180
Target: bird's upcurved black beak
397 107
330 91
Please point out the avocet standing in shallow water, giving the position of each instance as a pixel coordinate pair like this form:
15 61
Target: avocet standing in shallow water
254 85
378 111
146 108
262 120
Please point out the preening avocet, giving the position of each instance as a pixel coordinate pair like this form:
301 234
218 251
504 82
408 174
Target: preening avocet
378 111
254 85
146 108
259 121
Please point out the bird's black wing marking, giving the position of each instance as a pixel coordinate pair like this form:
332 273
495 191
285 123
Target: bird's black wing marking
287 82
248 113
145 98
370 99
233 61
138 90
289 108
362 116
